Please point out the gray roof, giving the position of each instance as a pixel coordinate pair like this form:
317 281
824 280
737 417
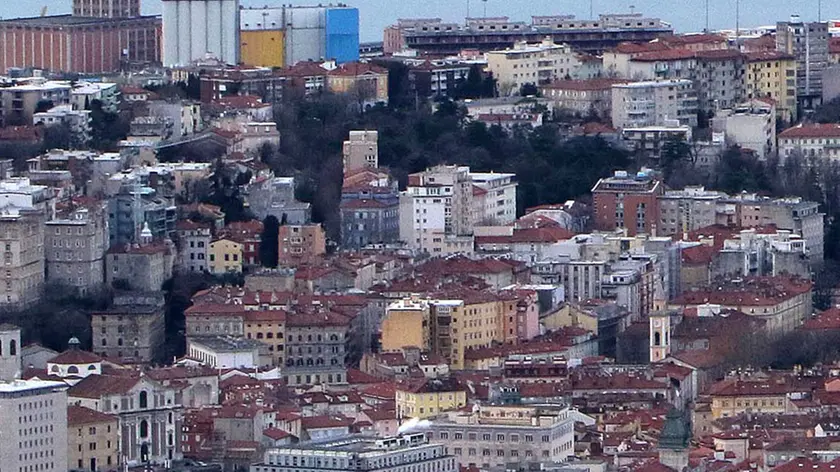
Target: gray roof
68 20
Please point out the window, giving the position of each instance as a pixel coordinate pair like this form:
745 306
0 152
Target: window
144 400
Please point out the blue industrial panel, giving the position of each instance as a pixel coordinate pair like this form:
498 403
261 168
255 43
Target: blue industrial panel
343 34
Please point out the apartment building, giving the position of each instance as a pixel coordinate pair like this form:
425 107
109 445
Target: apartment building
316 348
276 196
627 201
772 74
367 82
807 42
653 103
75 246
93 440
792 214
436 210
536 64
141 267
662 64
224 256
691 208
106 9
649 141
591 96
268 327
131 329
193 240
39 441
361 151
750 125
77 122
301 242
496 205
22 241
527 437
810 140
718 78
425 398
20 101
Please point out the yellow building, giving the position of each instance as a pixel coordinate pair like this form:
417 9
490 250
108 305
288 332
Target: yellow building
478 325
268 327
424 398
225 256
732 397
92 440
406 324
263 48
367 81
772 74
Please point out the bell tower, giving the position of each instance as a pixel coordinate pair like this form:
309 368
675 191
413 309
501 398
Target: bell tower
10 363
660 335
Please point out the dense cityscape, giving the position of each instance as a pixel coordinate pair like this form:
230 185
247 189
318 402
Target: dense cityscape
239 239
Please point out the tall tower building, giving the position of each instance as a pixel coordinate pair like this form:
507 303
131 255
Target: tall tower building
9 352
660 335
107 8
808 43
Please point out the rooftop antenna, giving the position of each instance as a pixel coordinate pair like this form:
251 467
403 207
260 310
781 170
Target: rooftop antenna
707 16
737 20
468 8
591 10
819 10
485 8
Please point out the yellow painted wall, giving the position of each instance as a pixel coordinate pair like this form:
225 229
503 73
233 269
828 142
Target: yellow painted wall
402 328
264 48
225 256
428 404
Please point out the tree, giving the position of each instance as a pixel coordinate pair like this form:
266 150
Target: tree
269 241
529 90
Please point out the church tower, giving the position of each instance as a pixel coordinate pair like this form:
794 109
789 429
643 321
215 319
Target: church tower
10 363
674 440
660 335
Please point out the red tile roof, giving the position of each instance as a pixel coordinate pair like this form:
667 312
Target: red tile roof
358 204
79 415
275 434
355 69
665 55
759 56
701 254
812 130
75 356
826 320
97 386
584 85
550 234
753 291
719 54
325 421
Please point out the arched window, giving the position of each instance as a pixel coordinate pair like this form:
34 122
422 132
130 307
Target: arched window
72 370
91 367
144 429
12 347
657 339
144 399
54 368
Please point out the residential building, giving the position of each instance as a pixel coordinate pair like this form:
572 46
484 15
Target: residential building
106 9
432 36
365 82
783 302
626 201
42 407
719 79
361 151
425 398
276 196
80 44
792 214
185 116
183 24
249 235
649 141
691 208
269 328
750 125
810 140
514 435
772 74
135 207
82 94
150 413
20 101
436 209
301 242
536 64
315 348
22 240
496 206
193 241
225 352
587 97
139 267
807 42
373 221
510 121
662 64
403 453
93 440
654 103
406 323
224 256
75 246
77 123
131 329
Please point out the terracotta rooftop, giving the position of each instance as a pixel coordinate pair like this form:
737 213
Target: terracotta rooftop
79 415
583 85
75 357
752 291
701 254
97 386
665 55
826 320
812 130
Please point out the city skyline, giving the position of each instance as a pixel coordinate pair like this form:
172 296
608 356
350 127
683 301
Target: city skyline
376 14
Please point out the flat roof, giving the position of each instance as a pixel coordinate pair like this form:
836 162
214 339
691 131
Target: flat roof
26 385
70 20
225 343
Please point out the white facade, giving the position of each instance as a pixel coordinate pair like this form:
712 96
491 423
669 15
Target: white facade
500 200
654 103
34 432
224 353
192 29
750 125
